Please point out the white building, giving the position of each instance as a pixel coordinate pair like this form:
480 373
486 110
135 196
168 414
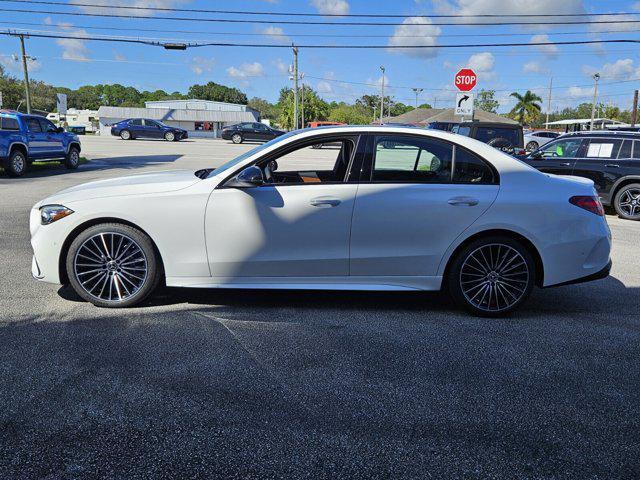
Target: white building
77 118
201 118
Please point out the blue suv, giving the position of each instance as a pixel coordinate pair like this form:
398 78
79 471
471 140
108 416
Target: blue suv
146 128
28 138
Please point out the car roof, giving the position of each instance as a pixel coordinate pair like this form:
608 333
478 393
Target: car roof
604 133
490 124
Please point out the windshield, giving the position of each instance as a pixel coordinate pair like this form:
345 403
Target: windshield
232 163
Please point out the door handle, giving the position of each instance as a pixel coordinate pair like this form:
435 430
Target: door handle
467 201
612 165
324 202
565 164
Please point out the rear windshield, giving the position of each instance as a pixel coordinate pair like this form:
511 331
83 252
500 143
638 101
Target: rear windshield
8 123
486 134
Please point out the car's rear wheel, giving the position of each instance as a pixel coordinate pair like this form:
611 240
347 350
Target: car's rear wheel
531 146
627 202
72 160
16 164
492 276
113 265
169 136
125 135
236 138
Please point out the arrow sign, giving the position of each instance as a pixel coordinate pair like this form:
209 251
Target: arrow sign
464 104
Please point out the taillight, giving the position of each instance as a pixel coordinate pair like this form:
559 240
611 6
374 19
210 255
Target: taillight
591 204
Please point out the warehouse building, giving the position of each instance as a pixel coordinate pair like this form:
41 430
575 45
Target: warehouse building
201 118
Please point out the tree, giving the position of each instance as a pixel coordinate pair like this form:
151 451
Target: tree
425 105
350 114
398 108
217 93
527 107
315 108
12 90
265 108
486 101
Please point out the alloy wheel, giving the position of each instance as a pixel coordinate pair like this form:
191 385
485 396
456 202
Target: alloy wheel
629 202
110 266
18 164
494 277
169 137
74 158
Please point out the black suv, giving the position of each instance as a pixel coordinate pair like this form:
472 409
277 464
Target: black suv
610 159
251 131
503 136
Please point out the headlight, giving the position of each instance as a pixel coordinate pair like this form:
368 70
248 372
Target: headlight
53 213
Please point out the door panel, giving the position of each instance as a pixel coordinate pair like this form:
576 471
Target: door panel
278 231
54 140
38 145
405 229
602 165
559 157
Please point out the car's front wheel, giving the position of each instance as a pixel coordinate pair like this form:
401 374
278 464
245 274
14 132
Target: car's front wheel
492 276
236 138
169 136
627 202
125 135
113 265
72 160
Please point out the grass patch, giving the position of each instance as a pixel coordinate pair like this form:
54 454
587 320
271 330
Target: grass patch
52 165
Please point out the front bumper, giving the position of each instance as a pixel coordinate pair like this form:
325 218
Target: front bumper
47 242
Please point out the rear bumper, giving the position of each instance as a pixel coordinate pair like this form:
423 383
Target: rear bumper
604 273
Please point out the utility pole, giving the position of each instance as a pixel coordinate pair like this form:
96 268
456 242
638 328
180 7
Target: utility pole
596 77
549 101
382 97
634 112
295 87
25 57
302 98
417 91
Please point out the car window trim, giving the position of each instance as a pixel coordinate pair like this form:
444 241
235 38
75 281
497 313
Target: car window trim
357 138
369 161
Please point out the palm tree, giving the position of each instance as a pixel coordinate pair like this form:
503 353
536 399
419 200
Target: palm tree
527 106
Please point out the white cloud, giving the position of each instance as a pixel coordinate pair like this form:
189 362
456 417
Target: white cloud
200 65
622 69
283 68
324 87
580 92
549 50
510 7
246 71
277 34
416 31
482 64
331 7
15 64
534 67
118 57
73 48
128 3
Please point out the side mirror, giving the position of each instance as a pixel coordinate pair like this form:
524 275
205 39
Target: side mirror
536 154
248 178
59 130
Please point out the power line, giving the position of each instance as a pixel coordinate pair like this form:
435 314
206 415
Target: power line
316 35
143 41
306 22
299 14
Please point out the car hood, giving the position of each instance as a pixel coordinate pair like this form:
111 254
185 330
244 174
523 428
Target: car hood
141 184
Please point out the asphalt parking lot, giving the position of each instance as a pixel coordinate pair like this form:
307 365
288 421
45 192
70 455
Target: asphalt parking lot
203 384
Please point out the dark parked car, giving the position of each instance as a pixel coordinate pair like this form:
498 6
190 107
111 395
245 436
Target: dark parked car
250 131
147 128
506 137
610 159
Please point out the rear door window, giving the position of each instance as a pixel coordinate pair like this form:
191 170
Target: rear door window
625 150
604 148
469 168
636 149
136 122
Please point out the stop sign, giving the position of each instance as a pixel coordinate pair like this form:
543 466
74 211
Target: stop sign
465 79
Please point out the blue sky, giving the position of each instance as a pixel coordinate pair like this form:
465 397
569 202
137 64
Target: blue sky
262 72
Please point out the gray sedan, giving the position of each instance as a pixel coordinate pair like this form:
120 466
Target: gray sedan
535 139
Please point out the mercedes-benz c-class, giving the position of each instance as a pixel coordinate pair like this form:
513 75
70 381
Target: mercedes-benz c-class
379 208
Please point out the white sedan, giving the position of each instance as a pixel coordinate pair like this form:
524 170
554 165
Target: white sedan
381 208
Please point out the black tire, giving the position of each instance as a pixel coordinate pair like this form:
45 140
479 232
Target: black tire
507 260
100 240
237 138
627 202
532 145
72 160
170 137
126 135
16 165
